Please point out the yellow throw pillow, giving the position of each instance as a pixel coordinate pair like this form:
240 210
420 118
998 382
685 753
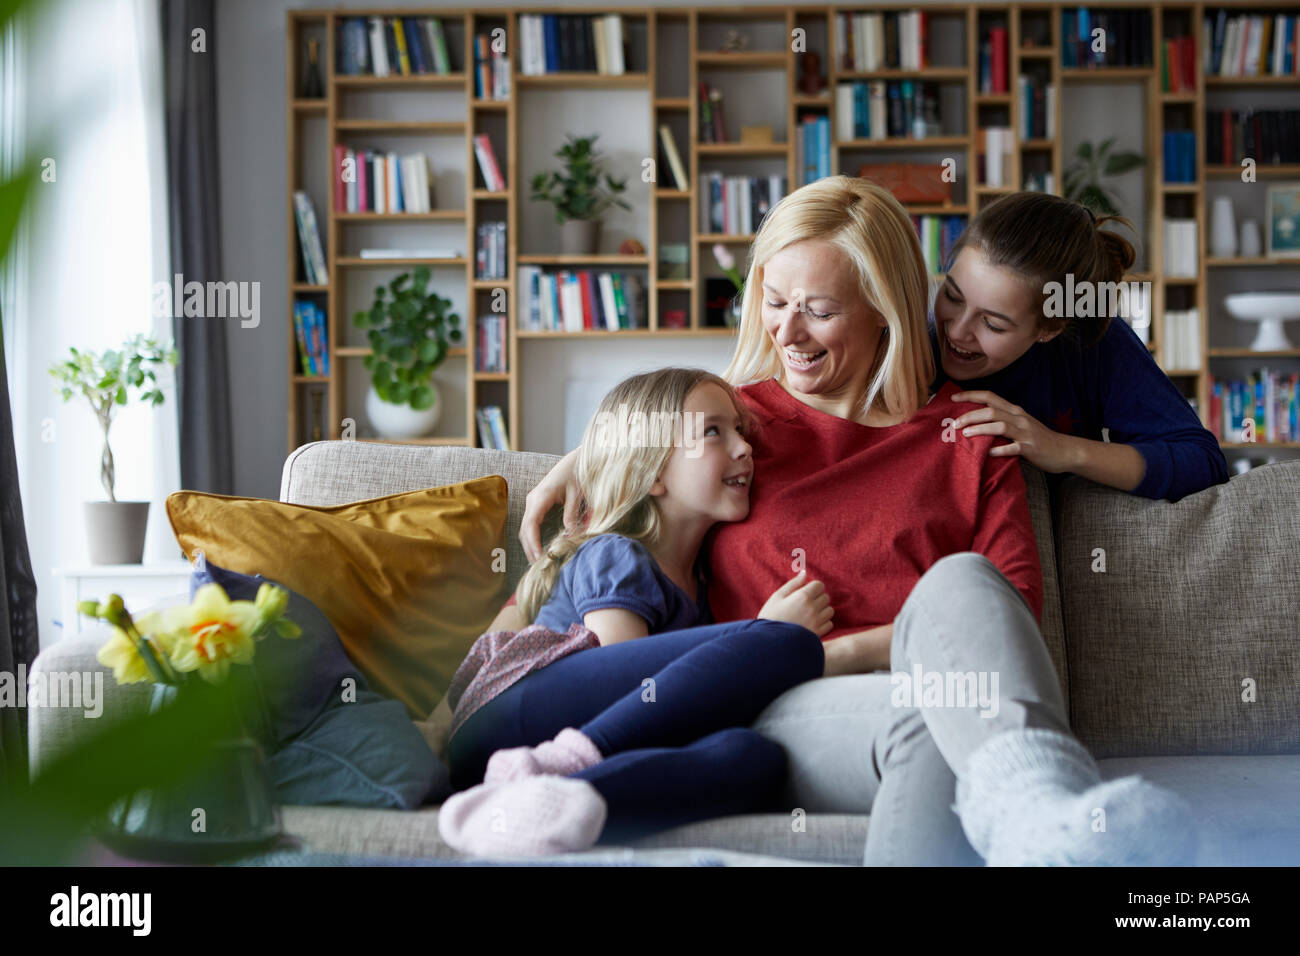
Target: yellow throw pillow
405 579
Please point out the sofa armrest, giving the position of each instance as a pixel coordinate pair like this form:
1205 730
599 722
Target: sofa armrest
53 726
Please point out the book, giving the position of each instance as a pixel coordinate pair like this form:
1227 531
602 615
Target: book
674 158
313 255
487 163
410 253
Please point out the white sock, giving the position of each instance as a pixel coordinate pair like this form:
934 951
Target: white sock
1034 797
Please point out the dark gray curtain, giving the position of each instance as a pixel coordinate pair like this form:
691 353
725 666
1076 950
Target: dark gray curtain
202 378
18 638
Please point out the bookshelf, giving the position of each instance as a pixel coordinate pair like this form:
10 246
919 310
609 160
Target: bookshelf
670 52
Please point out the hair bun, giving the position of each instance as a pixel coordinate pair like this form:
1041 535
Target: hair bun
1118 249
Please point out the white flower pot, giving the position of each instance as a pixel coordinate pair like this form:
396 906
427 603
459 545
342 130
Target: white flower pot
402 421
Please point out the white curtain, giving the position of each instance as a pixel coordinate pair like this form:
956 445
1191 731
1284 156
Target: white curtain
98 242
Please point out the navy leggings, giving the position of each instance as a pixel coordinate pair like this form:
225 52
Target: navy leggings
670 712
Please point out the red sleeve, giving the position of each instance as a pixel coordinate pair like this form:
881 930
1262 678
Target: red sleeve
1004 532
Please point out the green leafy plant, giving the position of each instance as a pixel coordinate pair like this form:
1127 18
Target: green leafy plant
410 332
1083 178
105 380
576 192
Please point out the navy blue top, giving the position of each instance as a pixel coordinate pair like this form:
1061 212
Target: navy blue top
610 570
1115 384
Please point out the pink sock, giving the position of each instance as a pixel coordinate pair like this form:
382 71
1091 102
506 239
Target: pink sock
569 752
535 816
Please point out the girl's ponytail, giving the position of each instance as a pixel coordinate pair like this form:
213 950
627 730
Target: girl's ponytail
1116 250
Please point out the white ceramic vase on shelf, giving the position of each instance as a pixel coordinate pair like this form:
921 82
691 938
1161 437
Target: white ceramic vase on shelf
402 421
1223 230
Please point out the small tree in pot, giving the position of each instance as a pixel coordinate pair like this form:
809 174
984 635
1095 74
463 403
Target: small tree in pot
411 329
578 196
105 379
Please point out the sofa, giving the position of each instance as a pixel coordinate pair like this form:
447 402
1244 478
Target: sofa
1174 628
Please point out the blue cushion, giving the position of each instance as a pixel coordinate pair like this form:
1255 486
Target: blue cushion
328 741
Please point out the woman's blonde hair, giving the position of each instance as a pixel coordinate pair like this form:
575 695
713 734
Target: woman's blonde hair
616 469
876 234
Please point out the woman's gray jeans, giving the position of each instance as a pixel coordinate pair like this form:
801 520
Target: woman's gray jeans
967 644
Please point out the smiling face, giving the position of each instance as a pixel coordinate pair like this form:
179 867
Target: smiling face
826 334
709 473
986 315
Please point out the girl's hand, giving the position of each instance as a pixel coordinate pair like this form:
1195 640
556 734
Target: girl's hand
1031 439
800 601
558 487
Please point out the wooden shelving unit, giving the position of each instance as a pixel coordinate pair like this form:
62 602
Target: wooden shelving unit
677 49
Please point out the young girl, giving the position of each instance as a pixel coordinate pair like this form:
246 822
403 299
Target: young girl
1077 394
618 711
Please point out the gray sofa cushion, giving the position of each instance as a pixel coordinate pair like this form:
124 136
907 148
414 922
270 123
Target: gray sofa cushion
1198 597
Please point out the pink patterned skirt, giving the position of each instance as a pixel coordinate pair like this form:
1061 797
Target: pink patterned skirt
500 659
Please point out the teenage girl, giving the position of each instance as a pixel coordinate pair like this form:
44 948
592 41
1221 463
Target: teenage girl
622 708
1077 394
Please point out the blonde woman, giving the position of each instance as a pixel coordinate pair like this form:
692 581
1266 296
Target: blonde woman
621 708
924 545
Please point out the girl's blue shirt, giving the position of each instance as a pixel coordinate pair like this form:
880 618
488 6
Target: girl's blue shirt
1114 384
611 570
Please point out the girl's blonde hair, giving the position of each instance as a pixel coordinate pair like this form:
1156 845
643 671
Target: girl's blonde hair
615 473
876 234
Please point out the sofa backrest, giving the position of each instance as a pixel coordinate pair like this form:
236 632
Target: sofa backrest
335 472
1188 642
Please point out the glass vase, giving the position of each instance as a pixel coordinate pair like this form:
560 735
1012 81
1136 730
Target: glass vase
224 810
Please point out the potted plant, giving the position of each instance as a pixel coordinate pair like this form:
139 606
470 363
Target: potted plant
727 262
578 196
1083 178
410 332
105 379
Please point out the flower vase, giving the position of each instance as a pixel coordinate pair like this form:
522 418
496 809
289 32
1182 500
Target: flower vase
224 810
733 314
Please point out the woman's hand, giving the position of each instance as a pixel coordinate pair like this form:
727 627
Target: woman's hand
801 602
558 487
1030 439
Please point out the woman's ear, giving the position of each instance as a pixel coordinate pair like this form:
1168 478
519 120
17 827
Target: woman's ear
1044 336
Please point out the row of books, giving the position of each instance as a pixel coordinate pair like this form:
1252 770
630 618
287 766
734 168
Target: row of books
392 46
880 110
1271 400
892 40
994 145
1181 248
314 269
1182 344
490 351
812 149
1178 65
993 71
1037 107
578 43
312 332
581 300
713 117
487 163
1252 45
673 158
938 234
1179 146
1267 136
490 251
1125 38
369 181
491 70
736 205
492 428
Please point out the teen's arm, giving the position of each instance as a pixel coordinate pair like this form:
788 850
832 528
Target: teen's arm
1146 412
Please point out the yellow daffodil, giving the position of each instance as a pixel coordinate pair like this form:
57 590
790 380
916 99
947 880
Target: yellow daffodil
271 602
211 633
120 653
